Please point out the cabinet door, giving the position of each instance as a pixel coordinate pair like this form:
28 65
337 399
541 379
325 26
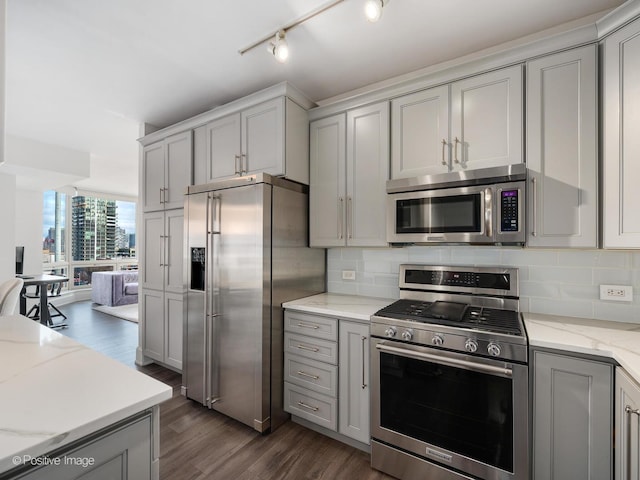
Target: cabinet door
420 133
263 138
562 132
572 418
153 252
353 374
125 453
173 315
486 119
174 251
153 323
153 177
367 175
179 168
327 181
621 168
627 452
223 147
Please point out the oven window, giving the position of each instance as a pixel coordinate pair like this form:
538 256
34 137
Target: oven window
456 213
469 413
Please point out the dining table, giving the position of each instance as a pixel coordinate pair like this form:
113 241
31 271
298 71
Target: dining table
42 281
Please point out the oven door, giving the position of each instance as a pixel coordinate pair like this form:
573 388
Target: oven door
452 215
465 413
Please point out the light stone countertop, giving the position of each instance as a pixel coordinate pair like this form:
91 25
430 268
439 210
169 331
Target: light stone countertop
346 306
54 390
619 341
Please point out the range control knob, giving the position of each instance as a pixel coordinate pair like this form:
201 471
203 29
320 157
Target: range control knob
390 332
471 345
437 340
407 335
493 349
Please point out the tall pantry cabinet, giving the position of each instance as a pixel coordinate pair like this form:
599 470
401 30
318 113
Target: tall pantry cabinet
621 142
166 172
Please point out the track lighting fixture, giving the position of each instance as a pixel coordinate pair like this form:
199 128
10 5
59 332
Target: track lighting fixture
279 47
373 9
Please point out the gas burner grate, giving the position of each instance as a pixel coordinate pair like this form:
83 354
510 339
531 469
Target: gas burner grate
401 309
492 319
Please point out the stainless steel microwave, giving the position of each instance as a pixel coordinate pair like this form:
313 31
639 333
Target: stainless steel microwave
485 206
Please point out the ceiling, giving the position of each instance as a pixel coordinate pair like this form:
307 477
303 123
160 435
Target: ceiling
83 74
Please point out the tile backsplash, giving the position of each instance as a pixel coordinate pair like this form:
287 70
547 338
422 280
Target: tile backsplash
560 282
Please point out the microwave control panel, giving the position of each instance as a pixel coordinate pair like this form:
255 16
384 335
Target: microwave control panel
509 210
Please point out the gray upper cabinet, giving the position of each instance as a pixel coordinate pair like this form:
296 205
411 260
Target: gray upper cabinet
572 417
420 133
627 418
167 171
271 137
486 120
621 141
472 123
349 164
562 149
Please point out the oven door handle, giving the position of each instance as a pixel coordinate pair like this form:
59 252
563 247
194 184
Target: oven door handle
452 362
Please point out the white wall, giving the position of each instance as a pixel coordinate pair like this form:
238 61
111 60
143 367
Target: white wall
7 223
560 282
29 205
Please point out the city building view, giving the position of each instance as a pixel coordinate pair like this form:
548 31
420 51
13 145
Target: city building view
99 230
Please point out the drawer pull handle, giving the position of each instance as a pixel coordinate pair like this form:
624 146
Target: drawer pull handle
308 407
309 349
308 375
308 325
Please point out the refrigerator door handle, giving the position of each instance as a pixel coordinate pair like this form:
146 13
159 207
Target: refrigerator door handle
216 210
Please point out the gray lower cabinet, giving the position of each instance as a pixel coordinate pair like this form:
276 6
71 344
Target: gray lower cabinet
124 452
627 418
353 396
572 417
326 373
310 368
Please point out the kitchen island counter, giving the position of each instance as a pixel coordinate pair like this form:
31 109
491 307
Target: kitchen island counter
55 391
618 341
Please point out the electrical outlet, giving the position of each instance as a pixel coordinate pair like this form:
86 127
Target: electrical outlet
348 275
616 293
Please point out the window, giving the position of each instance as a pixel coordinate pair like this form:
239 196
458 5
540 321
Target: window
102 229
83 234
53 227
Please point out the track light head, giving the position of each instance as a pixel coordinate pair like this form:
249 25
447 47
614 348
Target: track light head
279 47
373 9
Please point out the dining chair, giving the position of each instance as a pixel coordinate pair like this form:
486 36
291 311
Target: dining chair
9 295
53 290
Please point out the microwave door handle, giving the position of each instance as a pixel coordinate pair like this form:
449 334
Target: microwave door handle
488 213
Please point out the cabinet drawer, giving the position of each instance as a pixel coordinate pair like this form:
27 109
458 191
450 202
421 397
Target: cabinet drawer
312 406
310 347
312 325
317 376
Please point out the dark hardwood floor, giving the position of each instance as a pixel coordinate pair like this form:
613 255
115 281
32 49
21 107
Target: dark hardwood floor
199 444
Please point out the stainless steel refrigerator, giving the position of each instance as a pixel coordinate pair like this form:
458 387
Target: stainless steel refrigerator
246 253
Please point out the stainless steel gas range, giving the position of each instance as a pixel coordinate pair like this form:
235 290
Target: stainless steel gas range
450 377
